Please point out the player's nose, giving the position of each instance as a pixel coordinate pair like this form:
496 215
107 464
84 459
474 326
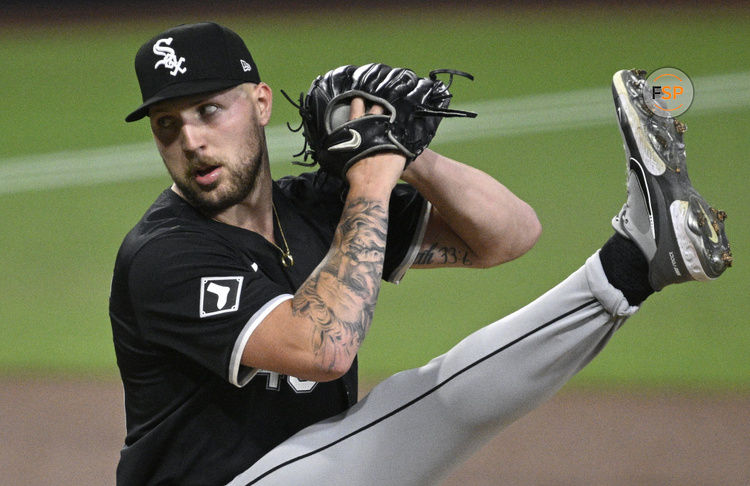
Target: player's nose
192 138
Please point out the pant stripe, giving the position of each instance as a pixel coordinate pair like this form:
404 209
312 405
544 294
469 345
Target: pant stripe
425 394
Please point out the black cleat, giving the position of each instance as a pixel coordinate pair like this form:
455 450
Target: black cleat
681 236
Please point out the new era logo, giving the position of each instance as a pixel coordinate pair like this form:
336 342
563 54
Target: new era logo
246 67
219 295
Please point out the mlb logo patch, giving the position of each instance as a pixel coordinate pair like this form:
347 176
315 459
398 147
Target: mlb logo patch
219 295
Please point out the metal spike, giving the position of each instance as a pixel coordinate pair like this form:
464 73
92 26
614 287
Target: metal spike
727 258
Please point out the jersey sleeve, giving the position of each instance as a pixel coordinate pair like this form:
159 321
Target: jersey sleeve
197 297
407 222
322 200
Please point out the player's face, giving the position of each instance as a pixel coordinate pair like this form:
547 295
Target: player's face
213 145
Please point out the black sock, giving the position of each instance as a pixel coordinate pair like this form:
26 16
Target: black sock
626 268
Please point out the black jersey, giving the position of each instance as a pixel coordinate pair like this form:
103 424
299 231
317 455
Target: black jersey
187 293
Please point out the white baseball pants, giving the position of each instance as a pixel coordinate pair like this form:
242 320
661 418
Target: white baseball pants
415 426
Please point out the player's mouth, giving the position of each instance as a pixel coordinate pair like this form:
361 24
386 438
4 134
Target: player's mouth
207 176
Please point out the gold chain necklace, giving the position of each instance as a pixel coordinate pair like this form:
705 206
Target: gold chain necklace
286 256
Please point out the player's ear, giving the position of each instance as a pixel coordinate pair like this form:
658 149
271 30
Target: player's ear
263 97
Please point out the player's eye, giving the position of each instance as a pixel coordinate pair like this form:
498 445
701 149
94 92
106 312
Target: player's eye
208 110
165 122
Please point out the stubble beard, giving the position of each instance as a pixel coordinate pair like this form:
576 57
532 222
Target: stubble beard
235 184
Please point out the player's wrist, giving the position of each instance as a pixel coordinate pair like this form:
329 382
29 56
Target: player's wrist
378 174
421 167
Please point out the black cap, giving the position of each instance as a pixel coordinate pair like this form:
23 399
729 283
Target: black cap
191 59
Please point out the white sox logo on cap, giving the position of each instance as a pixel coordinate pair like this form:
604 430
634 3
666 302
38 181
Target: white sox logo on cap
218 59
169 61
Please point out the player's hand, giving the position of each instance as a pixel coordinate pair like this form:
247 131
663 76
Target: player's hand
382 169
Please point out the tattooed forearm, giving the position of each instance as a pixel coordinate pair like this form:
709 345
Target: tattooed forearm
443 255
340 295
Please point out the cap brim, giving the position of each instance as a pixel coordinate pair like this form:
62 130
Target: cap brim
179 90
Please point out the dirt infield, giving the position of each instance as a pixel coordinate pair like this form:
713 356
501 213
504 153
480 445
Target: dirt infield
69 433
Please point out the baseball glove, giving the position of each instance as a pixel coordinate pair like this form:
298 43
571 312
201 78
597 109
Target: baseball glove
413 108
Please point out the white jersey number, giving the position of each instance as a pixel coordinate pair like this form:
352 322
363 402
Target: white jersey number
273 382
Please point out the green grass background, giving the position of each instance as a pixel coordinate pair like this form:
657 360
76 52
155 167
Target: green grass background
68 85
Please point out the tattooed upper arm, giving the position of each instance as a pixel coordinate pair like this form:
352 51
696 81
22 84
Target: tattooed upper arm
441 247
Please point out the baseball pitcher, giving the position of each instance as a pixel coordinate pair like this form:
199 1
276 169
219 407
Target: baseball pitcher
239 302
